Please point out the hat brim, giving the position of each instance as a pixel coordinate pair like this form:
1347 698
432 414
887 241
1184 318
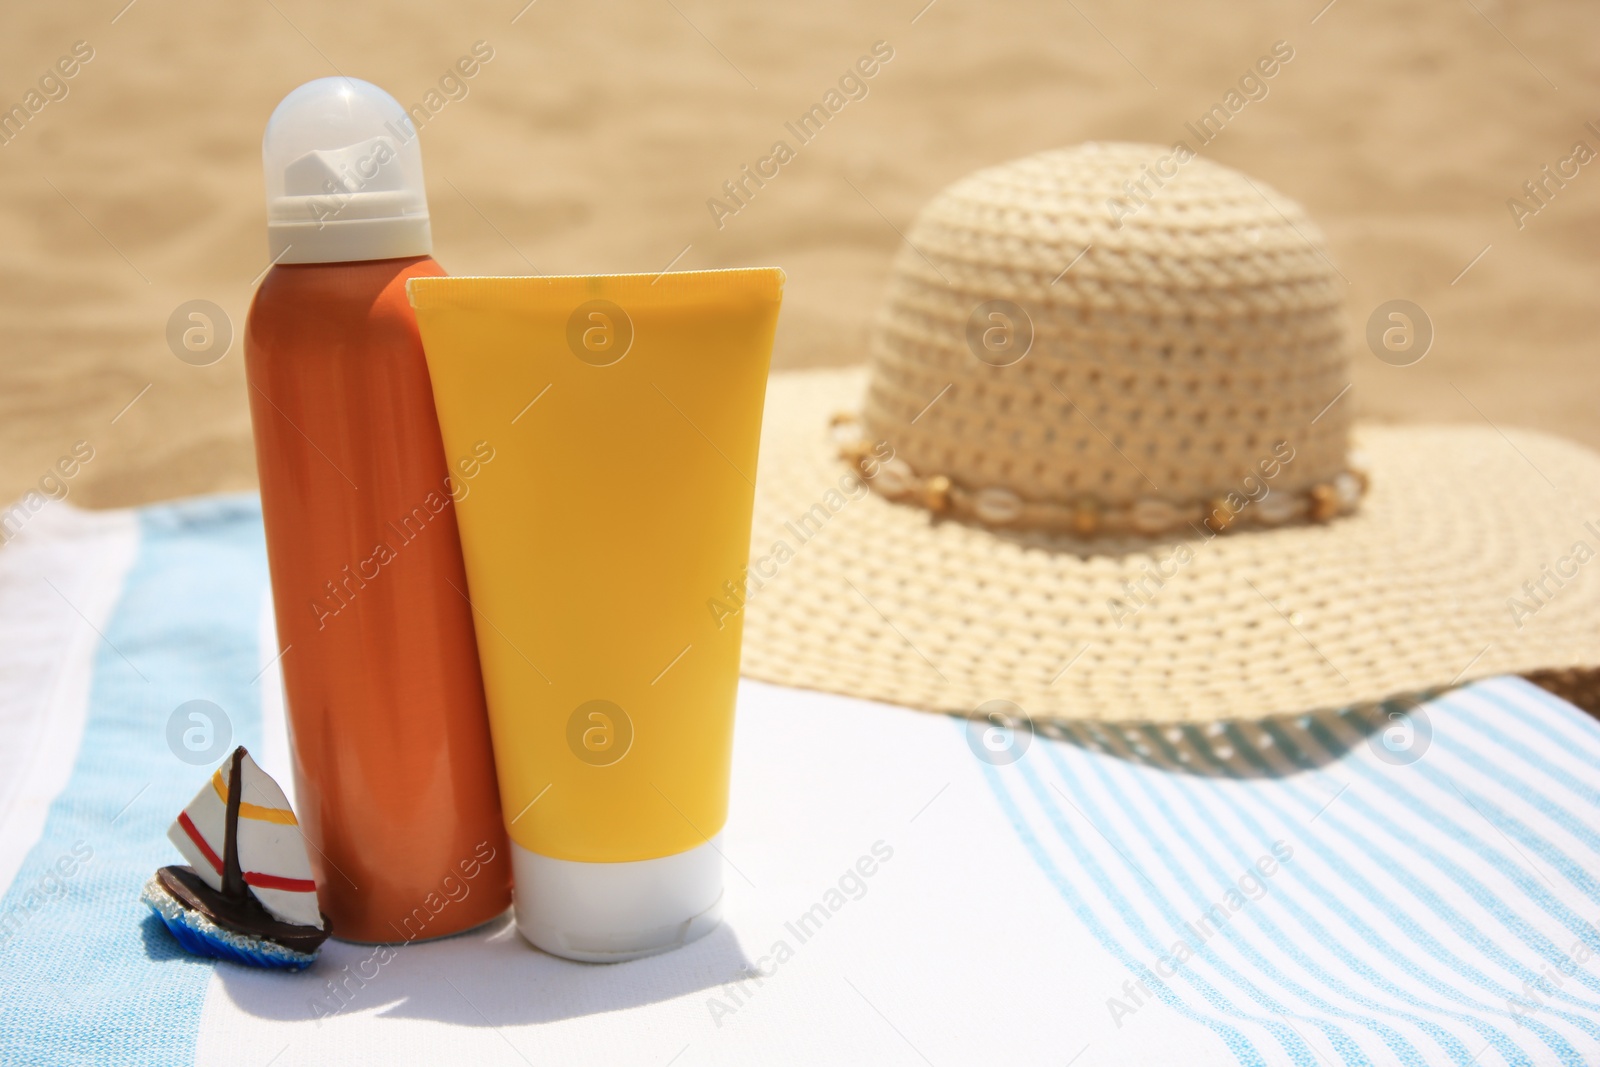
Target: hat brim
1423 588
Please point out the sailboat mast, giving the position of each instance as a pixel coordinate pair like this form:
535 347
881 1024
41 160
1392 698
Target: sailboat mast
232 875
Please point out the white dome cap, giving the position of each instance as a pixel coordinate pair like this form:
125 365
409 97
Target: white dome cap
344 176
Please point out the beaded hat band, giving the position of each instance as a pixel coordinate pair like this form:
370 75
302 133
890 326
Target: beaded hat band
1253 503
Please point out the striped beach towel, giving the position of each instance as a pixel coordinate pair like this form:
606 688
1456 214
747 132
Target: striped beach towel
1413 885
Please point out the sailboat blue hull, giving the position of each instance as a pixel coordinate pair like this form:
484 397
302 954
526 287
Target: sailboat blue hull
202 937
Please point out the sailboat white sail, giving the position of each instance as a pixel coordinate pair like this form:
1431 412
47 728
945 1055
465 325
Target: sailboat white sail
272 852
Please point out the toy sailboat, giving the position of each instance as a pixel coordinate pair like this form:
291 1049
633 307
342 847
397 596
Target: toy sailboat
248 895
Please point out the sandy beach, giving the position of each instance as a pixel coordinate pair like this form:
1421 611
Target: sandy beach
598 136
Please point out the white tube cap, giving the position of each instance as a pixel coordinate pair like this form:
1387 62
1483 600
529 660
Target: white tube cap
343 170
610 912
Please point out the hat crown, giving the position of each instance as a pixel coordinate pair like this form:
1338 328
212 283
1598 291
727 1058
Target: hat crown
1112 325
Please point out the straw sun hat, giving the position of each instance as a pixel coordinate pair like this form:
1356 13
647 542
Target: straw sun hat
1102 465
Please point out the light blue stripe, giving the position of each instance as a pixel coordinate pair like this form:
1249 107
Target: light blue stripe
1505 742
1291 1041
1486 898
1425 893
1396 1042
1579 735
1505 821
1201 795
93 977
1529 885
1240 1045
1366 891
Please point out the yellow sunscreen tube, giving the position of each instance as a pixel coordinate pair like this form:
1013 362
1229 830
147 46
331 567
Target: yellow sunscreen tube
625 414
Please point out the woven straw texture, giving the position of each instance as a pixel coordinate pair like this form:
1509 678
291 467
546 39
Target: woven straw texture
852 593
1114 332
1170 333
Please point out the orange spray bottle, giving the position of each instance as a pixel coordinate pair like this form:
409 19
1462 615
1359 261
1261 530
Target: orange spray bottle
394 775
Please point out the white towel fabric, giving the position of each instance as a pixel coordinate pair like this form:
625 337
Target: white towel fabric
899 889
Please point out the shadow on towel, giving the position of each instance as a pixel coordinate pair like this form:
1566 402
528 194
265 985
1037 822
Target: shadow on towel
488 977
1396 731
